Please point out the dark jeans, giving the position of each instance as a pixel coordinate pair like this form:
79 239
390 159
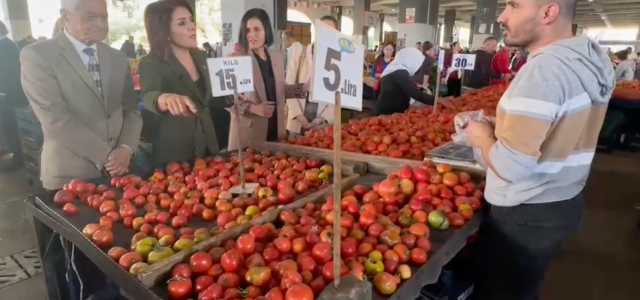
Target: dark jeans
517 244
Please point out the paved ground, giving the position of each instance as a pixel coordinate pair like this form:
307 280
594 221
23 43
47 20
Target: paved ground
601 262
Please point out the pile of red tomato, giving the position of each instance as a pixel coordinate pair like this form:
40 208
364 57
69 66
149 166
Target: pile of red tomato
384 233
161 208
406 135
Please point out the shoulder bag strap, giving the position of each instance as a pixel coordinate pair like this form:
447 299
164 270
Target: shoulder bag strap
303 60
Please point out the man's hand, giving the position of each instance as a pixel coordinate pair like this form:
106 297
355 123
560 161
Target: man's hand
316 122
479 133
118 161
304 123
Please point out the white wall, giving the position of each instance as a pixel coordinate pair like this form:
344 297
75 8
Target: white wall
392 22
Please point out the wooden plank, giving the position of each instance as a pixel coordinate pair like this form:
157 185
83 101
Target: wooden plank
157 272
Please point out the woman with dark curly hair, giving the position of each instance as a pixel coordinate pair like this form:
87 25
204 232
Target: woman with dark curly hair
262 112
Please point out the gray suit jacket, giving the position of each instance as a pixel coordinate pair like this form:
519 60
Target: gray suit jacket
80 125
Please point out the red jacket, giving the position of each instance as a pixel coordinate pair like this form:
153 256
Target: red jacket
500 64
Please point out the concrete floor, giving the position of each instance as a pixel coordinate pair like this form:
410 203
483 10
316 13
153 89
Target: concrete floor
602 261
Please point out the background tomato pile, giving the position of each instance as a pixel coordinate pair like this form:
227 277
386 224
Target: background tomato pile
627 90
384 231
161 208
407 135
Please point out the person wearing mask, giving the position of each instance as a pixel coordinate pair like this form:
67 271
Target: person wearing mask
141 51
381 63
396 87
539 153
483 71
518 60
303 114
263 111
501 63
290 43
421 78
129 48
626 68
82 92
176 86
13 98
454 83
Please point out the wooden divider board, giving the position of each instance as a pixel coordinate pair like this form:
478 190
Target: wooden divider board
374 163
155 273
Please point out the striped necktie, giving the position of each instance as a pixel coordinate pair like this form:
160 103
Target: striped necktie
94 67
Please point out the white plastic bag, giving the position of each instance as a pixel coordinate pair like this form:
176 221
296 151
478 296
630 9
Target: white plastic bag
460 137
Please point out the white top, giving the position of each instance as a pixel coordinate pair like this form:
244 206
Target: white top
80 46
292 48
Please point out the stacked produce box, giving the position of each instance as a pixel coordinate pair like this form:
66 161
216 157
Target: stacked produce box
31 139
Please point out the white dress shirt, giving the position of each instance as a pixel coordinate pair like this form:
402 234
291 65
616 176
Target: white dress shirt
80 46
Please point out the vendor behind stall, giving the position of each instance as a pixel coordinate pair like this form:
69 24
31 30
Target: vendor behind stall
626 68
396 87
176 85
539 154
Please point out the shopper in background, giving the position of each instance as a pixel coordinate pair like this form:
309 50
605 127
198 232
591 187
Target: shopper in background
303 114
396 86
381 63
141 51
454 83
419 46
290 43
176 86
626 68
539 154
421 78
129 48
483 71
518 60
264 109
13 98
208 49
81 90
501 63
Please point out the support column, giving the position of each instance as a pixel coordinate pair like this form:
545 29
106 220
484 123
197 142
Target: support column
449 23
485 17
472 25
17 18
497 31
380 30
360 7
418 20
574 29
232 12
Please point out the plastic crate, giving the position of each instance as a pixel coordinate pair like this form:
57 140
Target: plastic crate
30 150
28 124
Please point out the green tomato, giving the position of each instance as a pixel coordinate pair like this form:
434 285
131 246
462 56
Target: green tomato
135 268
373 266
182 244
145 246
200 238
158 254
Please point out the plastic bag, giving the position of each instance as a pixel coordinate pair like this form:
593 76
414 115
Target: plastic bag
460 137
460 122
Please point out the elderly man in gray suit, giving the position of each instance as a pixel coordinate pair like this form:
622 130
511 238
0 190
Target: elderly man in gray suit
82 92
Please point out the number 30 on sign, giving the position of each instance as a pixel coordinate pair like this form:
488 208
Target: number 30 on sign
462 61
338 67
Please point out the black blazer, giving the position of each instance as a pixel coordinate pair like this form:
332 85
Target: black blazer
178 138
10 74
396 91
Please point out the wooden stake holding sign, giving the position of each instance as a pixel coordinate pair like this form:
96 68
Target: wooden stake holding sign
438 79
233 76
338 82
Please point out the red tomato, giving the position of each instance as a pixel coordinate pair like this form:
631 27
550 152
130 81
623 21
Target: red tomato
200 262
214 292
321 252
246 244
202 283
180 288
299 292
289 279
229 280
232 261
181 270
128 259
70 209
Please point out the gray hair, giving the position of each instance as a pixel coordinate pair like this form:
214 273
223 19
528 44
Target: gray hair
71 5
287 34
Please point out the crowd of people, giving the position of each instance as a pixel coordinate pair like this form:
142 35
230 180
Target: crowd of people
537 151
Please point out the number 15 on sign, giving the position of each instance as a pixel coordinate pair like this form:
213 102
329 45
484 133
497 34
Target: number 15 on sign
338 68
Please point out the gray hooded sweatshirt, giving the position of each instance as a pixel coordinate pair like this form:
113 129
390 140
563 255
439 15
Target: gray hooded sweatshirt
547 124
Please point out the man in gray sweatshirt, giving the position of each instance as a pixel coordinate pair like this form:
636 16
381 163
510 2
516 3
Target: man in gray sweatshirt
539 153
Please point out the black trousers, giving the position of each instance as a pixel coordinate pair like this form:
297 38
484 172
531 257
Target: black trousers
454 87
517 244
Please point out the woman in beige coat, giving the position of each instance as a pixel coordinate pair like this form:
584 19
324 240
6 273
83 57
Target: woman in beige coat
302 114
263 111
